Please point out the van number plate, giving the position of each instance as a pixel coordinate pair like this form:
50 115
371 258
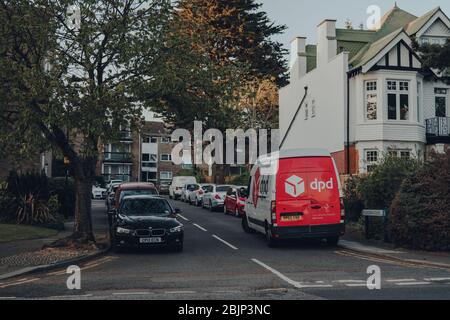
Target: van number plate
150 240
291 218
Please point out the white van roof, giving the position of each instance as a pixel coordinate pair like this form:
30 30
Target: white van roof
298 153
295 153
270 159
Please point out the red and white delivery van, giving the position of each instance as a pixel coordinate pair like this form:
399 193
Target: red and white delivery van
295 194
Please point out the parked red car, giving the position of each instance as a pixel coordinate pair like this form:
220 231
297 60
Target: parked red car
235 201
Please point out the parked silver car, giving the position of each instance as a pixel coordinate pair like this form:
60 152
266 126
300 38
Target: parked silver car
214 199
196 197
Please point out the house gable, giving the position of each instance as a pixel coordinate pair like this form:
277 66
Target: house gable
400 57
392 52
437 29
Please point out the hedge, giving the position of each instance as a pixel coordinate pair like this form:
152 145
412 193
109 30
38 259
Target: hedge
420 213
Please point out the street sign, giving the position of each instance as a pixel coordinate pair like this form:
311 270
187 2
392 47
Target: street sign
374 213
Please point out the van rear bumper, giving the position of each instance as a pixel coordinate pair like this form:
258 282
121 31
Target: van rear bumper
313 231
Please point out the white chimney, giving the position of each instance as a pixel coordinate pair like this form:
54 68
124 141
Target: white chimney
327 43
298 58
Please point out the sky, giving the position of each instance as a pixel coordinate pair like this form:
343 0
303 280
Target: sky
302 16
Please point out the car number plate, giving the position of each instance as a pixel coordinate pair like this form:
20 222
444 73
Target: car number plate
150 240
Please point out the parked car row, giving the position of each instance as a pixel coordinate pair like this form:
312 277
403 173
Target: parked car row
229 198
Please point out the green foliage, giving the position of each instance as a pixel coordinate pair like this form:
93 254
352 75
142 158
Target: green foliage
223 43
241 180
6 204
352 199
66 195
420 215
32 199
434 56
378 189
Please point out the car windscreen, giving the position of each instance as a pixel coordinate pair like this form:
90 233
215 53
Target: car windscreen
208 188
146 207
222 188
192 187
144 192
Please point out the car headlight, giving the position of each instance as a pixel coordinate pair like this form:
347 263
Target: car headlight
123 231
176 229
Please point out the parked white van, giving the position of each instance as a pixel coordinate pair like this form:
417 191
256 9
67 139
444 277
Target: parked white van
295 194
176 188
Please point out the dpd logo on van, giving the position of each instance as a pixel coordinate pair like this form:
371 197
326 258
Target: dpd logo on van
294 186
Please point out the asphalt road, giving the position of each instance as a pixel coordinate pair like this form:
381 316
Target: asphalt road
220 261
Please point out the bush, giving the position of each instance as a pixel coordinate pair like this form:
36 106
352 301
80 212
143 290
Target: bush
352 199
31 198
241 180
379 188
7 212
420 214
66 195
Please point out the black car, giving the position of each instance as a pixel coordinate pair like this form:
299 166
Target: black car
146 221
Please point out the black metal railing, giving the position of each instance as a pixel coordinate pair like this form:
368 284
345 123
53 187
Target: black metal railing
438 127
118 156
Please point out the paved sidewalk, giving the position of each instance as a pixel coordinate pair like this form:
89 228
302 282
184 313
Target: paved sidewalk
439 259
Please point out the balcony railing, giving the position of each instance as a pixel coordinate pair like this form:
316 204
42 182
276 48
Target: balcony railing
438 130
118 156
438 127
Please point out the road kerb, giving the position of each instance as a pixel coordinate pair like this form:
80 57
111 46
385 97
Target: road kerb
53 266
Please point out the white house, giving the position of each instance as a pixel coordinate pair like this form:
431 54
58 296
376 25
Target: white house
366 93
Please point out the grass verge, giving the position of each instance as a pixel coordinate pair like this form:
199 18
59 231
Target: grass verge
11 232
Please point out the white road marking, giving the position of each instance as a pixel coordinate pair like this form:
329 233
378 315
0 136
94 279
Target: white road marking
8 298
417 283
200 227
293 283
182 217
350 281
401 280
356 285
179 292
437 279
225 242
131 293
72 297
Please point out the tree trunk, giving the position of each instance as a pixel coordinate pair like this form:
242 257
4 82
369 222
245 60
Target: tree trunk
84 172
83 218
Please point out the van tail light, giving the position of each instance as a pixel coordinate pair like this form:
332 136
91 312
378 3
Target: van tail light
273 212
342 209
218 197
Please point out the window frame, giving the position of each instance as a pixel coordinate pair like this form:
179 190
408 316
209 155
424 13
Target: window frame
169 157
399 89
370 88
170 173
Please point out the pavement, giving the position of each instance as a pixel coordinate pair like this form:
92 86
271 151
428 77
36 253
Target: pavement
26 256
220 261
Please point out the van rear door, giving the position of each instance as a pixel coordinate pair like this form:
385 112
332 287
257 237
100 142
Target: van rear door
307 192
